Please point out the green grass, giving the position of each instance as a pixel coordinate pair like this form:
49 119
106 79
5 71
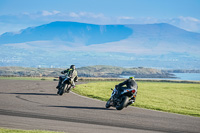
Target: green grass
181 98
3 130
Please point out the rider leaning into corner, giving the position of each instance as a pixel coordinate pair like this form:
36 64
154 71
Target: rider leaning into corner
71 73
130 84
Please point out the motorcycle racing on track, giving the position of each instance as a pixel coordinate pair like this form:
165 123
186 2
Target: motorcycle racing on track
67 81
123 96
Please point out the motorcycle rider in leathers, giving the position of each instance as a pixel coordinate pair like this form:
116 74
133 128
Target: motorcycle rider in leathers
71 73
130 84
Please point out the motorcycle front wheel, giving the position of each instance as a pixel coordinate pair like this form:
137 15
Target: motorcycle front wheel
108 104
61 90
123 103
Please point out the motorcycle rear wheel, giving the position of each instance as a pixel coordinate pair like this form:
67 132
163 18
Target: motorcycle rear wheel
68 88
123 103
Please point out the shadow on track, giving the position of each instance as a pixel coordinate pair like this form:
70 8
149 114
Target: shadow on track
42 94
79 107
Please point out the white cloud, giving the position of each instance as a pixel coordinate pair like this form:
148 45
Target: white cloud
189 19
187 23
47 13
73 14
126 17
86 15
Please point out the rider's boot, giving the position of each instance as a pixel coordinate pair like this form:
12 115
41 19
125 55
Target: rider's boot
132 99
73 85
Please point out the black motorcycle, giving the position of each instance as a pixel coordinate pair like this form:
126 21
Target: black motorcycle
65 86
123 100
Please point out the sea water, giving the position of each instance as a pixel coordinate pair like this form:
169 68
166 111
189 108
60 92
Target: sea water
179 76
188 76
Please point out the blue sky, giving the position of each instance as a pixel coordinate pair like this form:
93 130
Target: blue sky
135 8
19 14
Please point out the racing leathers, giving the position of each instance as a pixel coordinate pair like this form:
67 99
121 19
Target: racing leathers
130 84
71 74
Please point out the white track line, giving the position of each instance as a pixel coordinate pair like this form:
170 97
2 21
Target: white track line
86 97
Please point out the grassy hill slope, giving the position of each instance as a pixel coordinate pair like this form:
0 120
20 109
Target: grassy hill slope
90 71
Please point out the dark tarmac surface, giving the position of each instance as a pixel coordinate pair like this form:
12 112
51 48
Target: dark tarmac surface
35 105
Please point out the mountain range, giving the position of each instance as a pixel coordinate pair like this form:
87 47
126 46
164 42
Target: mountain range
60 43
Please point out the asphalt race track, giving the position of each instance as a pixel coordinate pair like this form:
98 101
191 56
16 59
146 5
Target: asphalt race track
35 105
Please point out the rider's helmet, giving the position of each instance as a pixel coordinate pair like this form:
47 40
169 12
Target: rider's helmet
132 78
72 67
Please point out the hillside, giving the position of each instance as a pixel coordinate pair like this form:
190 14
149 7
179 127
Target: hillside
90 71
69 32
60 44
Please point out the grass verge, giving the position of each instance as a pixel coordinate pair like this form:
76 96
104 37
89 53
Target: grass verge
3 130
181 98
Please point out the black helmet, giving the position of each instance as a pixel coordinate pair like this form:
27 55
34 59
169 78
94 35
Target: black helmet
72 67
